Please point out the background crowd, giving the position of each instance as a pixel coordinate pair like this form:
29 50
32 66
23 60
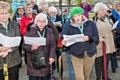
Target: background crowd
51 23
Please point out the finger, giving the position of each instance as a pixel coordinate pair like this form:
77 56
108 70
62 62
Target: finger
1 54
11 50
5 54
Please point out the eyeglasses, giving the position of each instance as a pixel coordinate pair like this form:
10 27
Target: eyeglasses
32 2
117 6
53 13
41 21
4 13
29 7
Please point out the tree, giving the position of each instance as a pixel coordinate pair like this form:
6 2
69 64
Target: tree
60 4
78 2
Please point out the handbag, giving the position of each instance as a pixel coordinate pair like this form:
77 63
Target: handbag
38 60
59 45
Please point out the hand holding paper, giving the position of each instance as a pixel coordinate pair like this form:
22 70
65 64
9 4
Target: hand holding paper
57 23
34 47
35 40
71 39
9 41
114 25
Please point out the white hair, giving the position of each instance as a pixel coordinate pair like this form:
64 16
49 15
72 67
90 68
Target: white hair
99 6
52 9
41 15
43 5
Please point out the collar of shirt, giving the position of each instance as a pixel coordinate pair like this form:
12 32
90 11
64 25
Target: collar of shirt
5 25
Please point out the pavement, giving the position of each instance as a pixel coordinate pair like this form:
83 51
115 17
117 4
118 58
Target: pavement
113 76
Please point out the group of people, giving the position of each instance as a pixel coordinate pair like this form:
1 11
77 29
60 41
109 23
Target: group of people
30 20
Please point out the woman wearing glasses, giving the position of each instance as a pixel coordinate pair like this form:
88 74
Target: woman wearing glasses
8 54
40 30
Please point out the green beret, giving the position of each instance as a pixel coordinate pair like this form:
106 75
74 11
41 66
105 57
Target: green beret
76 10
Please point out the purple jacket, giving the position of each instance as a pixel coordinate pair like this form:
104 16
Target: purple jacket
49 51
86 9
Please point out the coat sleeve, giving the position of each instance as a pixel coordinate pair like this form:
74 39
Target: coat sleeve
27 47
52 46
54 29
22 26
17 32
89 7
64 29
95 35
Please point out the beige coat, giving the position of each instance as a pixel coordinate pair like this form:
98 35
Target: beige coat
104 29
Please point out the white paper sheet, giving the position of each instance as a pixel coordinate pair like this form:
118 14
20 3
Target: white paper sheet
71 39
57 23
18 20
114 25
35 40
9 41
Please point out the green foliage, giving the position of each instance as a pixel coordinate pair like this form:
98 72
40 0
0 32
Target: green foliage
90 1
78 2
11 10
91 14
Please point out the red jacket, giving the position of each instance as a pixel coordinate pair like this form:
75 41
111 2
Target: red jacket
24 22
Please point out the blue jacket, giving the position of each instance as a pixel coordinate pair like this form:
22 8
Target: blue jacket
64 28
78 48
116 16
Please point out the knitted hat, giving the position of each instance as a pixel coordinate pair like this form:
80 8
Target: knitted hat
76 10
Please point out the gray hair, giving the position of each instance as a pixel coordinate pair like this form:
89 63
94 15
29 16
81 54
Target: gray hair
43 5
41 15
52 9
99 6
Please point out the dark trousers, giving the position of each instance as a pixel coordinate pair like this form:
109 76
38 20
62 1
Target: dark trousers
20 50
99 67
13 73
47 77
114 63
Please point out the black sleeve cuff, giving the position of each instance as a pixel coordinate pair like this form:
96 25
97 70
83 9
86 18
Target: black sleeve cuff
90 39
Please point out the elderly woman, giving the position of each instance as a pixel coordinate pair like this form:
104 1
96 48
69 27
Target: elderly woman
82 53
57 22
55 18
8 54
106 36
43 7
49 49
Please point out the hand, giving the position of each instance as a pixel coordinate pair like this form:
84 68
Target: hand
4 54
64 42
3 48
102 39
60 25
51 60
34 47
85 38
108 14
35 13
